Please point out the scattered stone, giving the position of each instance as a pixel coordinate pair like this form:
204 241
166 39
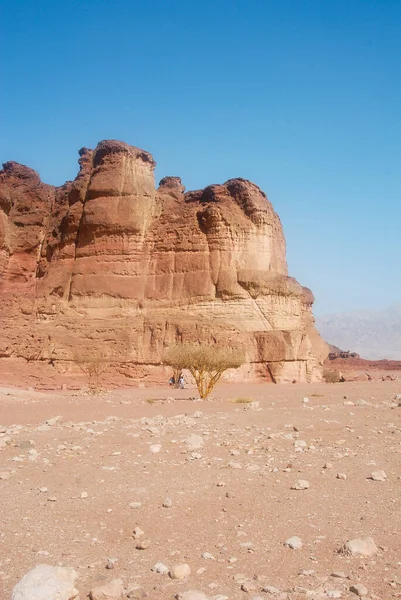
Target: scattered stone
378 476
54 420
194 442
113 590
4 475
300 444
137 533
45 582
339 574
135 505
155 448
168 503
249 586
360 547
137 593
143 545
161 568
301 484
295 543
180 571
359 589
208 556
327 466
341 476
111 563
333 593
269 589
84 495
254 405
192 595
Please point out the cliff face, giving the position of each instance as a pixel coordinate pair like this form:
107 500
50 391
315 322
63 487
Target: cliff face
108 262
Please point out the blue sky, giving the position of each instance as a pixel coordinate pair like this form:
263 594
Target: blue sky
303 97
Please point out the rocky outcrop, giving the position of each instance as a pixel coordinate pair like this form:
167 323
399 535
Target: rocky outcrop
108 263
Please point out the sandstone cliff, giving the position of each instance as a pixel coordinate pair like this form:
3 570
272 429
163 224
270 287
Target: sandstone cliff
109 262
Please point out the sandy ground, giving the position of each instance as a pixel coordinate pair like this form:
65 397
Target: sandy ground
231 498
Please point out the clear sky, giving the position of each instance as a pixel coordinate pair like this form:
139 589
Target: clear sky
303 97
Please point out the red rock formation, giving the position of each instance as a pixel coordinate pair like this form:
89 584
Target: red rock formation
109 262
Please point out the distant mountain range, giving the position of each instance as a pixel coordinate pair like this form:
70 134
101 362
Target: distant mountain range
372 334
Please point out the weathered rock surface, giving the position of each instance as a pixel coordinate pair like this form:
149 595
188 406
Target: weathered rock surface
109 261
109 591
45 582
360 547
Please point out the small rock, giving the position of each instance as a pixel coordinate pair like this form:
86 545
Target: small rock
109 591
295 543
84 495
5 475
300 444
137 533
143 545
54 420
269 589
333 593
44 582
193 595
155 448
194 442
161 568
254 405
301 484
359 547
341 476
327 466
359 589
180 571
168 503
137 593
378 476
208 556
339 574
135 505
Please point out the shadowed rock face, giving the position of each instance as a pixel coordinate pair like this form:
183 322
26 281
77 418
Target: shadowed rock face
109 261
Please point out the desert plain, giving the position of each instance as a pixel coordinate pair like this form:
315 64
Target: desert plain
111 485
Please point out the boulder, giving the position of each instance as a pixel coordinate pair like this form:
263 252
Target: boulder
45 582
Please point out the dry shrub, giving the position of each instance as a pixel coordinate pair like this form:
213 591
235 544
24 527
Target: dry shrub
93 366
331 376
205 363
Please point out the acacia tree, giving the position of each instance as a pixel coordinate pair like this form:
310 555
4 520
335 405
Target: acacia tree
93 365
205 363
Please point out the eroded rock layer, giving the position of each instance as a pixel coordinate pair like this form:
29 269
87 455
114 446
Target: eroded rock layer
108 264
